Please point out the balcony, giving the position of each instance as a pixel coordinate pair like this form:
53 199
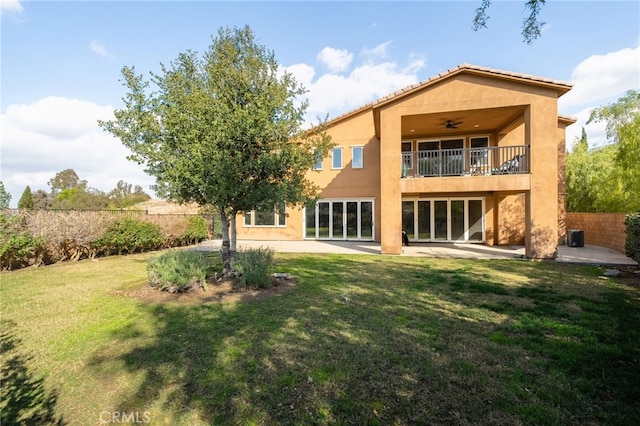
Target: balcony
487 161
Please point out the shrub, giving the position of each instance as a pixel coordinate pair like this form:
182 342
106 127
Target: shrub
18 248
632 244
68 235
252 267
130 236
196 231
178 271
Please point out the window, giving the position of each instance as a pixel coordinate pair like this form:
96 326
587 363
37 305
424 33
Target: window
339 220
265 218
337 158
357 157
318 157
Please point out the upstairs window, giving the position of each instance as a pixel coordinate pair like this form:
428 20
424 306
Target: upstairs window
336 158
318 160
357 160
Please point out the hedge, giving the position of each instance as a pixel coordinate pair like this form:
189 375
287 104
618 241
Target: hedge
632 244
36 237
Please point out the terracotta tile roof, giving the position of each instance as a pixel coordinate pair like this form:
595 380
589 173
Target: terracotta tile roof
561 86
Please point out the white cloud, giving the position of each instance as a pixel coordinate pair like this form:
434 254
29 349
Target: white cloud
599 78
302 72
100 49
335 59
335 94
598 81
378 52
54 134
10 6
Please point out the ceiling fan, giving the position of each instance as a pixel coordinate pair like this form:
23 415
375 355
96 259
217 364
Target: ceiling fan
451 125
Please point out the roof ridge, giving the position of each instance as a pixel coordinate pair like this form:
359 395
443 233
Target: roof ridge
458 68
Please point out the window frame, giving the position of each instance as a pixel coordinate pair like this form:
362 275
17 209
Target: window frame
355 148
279 220
319 161
333 157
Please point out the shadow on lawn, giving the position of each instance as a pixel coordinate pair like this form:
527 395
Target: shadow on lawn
411 344
24 400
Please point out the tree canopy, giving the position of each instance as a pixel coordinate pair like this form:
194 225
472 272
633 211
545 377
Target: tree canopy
26 200
221 129
623 128
607 179
66 179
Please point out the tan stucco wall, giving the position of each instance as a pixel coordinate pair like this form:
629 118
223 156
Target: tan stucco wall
534 200
293 230
541 239
562 185
538 129
511 224
344 183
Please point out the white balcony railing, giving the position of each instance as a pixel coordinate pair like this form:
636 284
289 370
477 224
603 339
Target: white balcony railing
495 160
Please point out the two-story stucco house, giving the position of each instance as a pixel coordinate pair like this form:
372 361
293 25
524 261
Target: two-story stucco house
471 155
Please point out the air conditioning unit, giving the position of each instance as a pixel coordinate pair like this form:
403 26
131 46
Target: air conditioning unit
575 238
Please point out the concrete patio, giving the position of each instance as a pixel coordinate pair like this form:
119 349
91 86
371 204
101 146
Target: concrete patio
593 255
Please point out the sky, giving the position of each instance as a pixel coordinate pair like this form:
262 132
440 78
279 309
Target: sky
60 63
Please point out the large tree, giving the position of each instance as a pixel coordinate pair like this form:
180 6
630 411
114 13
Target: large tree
66 179
607 179
222 129
622 119
593 180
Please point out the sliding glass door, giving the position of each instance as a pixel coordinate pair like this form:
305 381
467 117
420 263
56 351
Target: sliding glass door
339 220
444 219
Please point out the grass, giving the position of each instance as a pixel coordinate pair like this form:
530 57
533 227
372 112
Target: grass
358 340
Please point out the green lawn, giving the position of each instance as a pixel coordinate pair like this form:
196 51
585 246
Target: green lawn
358 340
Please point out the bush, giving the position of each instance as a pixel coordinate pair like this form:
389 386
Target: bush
18 248
632 244
130 236
178 271
252 267
196 231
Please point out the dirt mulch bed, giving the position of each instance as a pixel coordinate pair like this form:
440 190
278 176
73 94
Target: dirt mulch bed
217 292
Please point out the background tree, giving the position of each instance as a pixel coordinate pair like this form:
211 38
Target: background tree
593 180
42 200
531 26
5 197
66 179
26 200
125 195
218 129
623 128
607 179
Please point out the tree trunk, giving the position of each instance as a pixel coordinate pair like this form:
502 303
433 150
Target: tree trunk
226 246
233 234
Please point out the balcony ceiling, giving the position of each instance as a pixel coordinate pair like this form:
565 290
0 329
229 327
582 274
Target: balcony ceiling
472 122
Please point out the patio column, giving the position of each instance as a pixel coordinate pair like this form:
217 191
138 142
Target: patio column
390 171
541 202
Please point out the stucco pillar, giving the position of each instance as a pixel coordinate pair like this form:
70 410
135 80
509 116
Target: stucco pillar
541 202
390 195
